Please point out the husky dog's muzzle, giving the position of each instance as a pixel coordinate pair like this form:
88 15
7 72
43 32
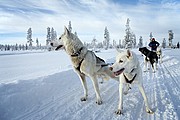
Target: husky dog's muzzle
58 47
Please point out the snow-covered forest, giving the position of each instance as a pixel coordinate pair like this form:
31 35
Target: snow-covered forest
129 41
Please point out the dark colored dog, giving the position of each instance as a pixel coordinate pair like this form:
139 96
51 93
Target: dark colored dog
150 56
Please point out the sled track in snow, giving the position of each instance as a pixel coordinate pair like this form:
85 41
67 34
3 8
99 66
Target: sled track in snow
162 89
38 112
171 90
165 90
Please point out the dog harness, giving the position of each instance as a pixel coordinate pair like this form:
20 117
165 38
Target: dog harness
77 53
130 81
97 59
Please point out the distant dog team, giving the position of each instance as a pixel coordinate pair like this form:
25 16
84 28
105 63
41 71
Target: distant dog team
151 57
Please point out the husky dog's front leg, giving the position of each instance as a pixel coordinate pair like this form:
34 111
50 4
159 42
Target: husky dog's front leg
145 65
120 106
96 88
154 67
84 84
127 89
148 110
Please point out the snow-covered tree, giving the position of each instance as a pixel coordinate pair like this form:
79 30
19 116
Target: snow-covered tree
75 33
16 46
26 47
53 34
37 43
93 43
150 36
134 40
140 44
23 47
164 43
29 38
106 38
130 38
171 34
120 44
114 43
69 27
48 37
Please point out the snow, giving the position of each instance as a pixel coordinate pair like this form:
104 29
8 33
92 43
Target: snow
43 86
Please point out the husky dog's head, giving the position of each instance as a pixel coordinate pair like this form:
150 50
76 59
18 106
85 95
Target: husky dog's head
125 62
144 50
158 51
69 41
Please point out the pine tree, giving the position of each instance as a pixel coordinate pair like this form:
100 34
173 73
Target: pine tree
93 43
48 37
130 38
164 43
26 47
75 33
37 43
16 46
134 40
69 27
170 38
140 44
29 38
52 34
151 36
106 38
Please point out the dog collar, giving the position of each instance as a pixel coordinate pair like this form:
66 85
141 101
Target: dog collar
77 53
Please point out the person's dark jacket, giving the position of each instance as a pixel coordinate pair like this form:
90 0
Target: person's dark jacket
153 45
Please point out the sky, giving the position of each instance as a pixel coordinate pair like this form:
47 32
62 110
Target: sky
89 19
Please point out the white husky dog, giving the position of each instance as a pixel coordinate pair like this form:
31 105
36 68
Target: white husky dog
128 69
85 62
159 54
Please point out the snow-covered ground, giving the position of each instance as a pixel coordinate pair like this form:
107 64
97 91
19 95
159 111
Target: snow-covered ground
43 86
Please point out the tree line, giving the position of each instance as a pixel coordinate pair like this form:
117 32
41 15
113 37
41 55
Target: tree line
129 40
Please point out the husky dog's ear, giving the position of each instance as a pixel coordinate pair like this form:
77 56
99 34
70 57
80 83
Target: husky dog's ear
129 54
66 31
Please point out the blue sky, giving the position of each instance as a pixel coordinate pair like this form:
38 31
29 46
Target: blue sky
89 18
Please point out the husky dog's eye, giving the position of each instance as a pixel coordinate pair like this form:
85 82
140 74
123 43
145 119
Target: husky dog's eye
59 38
120 61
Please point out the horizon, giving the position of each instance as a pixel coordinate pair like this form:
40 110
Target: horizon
89 19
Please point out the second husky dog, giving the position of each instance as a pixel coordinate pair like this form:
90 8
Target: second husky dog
151 57
128 69
159 54
85 62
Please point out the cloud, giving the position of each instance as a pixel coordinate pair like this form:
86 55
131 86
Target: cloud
89 18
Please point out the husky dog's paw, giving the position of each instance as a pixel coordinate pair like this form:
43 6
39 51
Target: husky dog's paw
101 82
125 93
119 112
83 98
144 70
149 110
99 102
